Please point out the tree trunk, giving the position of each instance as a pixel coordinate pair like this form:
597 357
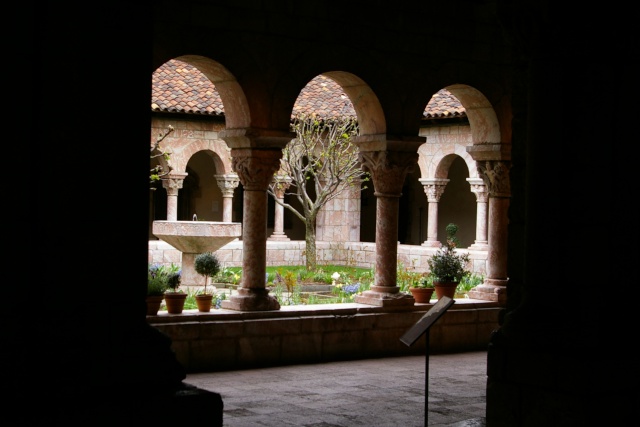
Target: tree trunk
310 240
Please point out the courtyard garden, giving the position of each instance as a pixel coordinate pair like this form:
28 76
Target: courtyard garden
328 284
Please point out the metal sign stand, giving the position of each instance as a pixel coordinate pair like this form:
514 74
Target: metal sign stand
420 327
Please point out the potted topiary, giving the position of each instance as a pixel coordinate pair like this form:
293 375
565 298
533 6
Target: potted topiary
157 277
206 264
174 297
422 290
447 266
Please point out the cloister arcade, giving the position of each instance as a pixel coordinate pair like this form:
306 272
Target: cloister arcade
183 91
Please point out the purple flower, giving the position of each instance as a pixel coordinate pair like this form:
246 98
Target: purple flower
351 289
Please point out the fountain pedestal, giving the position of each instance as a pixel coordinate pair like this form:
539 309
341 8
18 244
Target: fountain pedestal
193 238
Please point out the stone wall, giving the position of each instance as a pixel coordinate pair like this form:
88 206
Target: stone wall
358 254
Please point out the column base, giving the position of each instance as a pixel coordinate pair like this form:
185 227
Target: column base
385 299
279 237
252 299
490 290
432 244
479 246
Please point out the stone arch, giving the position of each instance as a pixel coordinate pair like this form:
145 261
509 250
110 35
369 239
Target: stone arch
219 153
481 114
187 141
442 162
204 196
441 150
338 224
236 108
345 67
435 164
484 127
371 119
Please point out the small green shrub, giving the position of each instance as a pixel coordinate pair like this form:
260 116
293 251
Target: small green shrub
446 265
208 265
156 280
406 278
231 275
426 281
160 278
174 281
468 282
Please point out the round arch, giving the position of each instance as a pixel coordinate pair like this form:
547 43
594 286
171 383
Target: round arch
481 114
236 108
218 150
368 110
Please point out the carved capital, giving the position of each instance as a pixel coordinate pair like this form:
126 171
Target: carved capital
255 167
479 189
388 170
227 183
280 184
434 188
495 174
173 182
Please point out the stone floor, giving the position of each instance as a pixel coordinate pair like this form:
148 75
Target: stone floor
372 392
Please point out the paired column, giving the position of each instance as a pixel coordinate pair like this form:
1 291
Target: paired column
281 183
433 188
388 171
255 168
173 183
480 190
227 183
493 162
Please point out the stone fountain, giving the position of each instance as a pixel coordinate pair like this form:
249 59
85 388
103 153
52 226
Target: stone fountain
193 238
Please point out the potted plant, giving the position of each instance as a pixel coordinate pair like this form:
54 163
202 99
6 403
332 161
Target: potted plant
422 290
174 297
206 264
157 276
447 266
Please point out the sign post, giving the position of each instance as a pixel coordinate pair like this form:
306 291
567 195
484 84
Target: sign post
420 327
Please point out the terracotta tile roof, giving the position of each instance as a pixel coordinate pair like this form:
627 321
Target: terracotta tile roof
180 88
444 105
324 97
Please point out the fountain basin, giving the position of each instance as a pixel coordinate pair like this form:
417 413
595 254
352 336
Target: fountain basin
197 236
193 238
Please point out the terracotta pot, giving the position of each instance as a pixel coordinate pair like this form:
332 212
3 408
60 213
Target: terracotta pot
175 301
153 304
421 295
204 302
445 289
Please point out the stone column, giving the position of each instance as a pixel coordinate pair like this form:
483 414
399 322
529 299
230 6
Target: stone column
433 188
480 190
173 183
281 183
493 162
388 170
227 183
255 168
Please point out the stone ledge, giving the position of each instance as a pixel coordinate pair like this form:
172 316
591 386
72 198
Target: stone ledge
229 340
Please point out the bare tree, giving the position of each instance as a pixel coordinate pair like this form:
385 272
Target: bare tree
163 169
317 166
